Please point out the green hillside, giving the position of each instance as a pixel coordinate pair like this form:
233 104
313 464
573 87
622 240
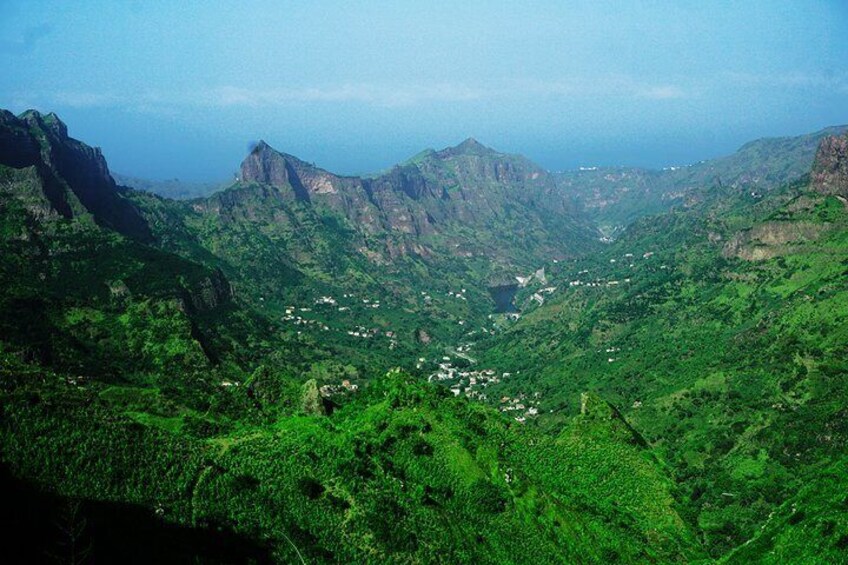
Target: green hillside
441 363
731 367
400 473
617 196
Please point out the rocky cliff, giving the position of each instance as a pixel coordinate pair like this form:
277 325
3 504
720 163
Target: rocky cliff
470 199
772 239
830 170
72 177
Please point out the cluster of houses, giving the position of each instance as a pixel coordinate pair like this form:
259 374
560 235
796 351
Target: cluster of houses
362 331
460 295
345 387
292 315
461 381
468 383
598 283
301 321
610 353
606 283
472 384
330 301
521 407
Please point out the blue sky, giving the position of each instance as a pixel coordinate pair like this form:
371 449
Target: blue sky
181 89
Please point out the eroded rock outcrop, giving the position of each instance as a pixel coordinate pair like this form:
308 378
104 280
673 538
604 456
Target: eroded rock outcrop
71 176
830 170
771 239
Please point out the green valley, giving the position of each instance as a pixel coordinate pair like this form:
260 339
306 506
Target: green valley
466 358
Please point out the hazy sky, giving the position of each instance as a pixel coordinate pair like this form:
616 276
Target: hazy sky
180 89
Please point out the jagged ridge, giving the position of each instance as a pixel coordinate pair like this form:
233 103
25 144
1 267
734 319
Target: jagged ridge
74 177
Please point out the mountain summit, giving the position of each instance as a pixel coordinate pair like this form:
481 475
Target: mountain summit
469 147
430 202
69 178
266 165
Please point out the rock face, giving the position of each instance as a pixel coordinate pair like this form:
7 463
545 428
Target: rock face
830 170
464 197
266 166
211 292
73 177
771 239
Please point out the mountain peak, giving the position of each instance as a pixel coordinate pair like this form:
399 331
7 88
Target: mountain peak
72 176
49 121
470 147
266 165
262 146
266 152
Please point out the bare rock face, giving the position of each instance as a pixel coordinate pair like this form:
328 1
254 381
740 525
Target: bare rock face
771 239
266 166
830 170
444 195
73 177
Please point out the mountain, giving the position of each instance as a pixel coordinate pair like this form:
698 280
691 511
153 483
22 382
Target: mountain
216 379
464 201
68 178
84 288
448 223
170 188
617 196
718 329
131 386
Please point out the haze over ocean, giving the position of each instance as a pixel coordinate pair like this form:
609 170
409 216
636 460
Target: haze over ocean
173 90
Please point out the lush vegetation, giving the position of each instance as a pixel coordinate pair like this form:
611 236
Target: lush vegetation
246 374
732 369
402 472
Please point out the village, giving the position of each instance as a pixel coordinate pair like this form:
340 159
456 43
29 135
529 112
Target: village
346 314
580 279
473 383
454 369
348 304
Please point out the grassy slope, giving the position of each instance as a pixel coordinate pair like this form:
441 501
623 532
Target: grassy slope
730 368
113 393
401 474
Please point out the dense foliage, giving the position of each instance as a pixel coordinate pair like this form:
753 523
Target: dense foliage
732 369
224 371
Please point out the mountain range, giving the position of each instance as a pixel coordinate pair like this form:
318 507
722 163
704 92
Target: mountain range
463 358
